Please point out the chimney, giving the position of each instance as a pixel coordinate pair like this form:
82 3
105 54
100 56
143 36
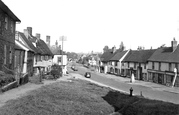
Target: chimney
114 49
26 33
38 36
48 40
174 45
29 30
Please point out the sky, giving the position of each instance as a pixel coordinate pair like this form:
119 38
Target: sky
89 25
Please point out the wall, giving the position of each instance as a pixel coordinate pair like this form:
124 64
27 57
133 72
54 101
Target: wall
6 38
55 59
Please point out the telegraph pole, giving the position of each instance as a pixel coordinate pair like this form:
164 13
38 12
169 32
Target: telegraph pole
62 38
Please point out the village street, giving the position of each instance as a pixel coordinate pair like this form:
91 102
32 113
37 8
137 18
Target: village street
149 90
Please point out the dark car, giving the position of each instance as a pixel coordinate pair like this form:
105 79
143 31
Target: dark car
87 74
74 68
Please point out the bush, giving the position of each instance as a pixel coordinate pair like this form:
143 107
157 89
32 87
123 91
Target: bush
49 77
56 73
6 79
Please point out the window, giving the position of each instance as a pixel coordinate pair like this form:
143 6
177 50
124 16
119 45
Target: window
128 64
10 55
153 65
170 67
12 26
134 65
59 59
6 22
176 66
115 63
144 65
5 54
159 66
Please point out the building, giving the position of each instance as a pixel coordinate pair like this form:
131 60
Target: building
116 61
7 37
162 63
136 61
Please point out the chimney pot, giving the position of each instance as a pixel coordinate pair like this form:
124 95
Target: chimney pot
38 36
29 30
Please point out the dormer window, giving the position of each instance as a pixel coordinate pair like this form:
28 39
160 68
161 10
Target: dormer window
6 22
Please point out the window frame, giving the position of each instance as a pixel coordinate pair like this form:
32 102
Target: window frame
12 26
10 55
5 54
6 22
153 66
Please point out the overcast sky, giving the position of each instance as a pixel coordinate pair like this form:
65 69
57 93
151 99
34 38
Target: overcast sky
89 25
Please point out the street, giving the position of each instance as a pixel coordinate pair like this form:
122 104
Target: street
148 92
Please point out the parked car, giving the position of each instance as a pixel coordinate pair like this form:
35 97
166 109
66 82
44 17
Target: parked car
88 75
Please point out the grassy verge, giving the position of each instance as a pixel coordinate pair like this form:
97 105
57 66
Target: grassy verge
84 98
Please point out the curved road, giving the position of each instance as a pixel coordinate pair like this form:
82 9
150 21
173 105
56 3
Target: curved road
148 92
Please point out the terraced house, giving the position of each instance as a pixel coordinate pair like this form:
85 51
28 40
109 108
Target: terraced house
136 61
162 63
36 52
8 22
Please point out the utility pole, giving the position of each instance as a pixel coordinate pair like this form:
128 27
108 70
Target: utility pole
62 38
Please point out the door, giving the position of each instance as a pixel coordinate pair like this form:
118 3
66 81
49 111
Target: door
139 73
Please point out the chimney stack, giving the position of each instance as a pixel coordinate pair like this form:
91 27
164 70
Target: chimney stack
29 30
59 47
114 49
26 33
48 40
174 45
38 36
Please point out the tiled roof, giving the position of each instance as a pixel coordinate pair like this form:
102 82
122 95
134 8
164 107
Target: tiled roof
118 56
106 56
29 43
165 54
140 56
8 11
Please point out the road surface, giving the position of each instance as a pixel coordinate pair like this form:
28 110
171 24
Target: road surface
148 92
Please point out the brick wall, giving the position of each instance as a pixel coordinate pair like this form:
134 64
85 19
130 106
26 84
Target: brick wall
7 37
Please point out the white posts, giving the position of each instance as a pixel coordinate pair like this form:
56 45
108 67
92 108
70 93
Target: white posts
175 76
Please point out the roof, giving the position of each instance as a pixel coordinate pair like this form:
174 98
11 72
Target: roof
139 56
17 47
106 56
43 47
8 11
165 54
118 56
29 43
58 52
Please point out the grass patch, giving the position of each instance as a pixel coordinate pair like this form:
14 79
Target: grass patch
84 98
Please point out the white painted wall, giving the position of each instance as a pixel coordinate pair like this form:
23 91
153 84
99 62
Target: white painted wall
55 59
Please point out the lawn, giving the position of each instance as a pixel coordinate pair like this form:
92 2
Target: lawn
84 98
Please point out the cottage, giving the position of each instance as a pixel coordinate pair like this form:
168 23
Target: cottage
136 62
7 36
116 61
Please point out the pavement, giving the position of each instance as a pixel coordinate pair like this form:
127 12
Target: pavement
154 86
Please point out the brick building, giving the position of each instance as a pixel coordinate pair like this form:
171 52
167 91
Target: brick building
7 36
